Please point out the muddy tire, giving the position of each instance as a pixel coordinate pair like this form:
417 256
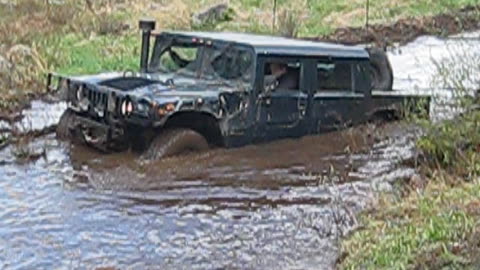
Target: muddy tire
173 142
380 70
63 130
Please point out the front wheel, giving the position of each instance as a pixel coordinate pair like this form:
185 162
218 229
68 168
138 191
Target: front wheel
176 141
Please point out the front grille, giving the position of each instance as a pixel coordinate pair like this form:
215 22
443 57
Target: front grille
96 98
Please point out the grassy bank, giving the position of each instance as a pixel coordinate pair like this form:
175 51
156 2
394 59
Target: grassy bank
438 228
437 225
75 37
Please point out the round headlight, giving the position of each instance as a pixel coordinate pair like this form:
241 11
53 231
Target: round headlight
123 108
127 107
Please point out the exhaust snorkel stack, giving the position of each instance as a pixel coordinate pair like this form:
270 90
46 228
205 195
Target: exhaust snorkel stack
146 25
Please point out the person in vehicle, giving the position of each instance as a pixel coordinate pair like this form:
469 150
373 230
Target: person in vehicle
281 77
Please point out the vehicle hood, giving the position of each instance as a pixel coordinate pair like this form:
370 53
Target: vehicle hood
154 86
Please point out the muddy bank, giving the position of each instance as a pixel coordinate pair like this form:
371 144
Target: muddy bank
406 30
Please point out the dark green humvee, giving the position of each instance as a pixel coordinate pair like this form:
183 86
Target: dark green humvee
197 89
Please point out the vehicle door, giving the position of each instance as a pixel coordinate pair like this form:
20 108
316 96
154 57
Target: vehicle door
339 94
282 99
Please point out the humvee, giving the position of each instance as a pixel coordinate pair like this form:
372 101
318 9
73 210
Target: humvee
196 90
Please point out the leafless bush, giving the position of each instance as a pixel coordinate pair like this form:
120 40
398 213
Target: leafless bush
458 70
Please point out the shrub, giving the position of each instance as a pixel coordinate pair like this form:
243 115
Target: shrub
454 144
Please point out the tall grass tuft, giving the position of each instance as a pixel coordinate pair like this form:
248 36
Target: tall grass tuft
453 144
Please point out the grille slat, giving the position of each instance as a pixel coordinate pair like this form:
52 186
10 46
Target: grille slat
97 98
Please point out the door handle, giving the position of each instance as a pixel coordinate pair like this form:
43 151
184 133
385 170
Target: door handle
302 106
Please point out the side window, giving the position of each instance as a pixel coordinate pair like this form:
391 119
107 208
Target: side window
362 77
282 75
335 76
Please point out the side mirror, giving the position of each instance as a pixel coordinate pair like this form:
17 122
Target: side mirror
146 25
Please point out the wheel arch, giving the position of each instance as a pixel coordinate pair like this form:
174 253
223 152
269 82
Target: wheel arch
202 122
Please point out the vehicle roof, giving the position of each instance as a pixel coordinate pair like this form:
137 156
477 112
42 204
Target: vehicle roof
279 45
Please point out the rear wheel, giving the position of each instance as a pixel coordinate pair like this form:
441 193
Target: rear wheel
176 141
380 70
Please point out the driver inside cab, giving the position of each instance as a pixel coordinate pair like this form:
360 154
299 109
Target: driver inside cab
281 77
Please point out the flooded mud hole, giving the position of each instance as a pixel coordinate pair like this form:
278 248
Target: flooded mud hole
223 208
281 205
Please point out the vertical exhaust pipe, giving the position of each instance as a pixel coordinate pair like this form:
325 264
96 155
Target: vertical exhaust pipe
146 25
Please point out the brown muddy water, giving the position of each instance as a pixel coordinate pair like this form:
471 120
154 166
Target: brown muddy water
281 205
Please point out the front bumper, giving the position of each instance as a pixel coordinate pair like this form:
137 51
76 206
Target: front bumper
98 135
99 103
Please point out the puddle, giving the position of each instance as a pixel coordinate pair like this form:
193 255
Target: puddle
78 208
282 205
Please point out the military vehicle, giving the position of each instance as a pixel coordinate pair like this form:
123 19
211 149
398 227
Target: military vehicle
196 90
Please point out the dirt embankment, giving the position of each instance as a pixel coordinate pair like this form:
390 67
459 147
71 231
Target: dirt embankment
408 29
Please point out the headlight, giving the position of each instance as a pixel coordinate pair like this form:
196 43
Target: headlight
126 108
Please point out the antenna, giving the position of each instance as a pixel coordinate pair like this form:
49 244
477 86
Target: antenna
274 14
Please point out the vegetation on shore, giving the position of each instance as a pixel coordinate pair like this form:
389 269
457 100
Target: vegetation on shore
75 37
436 228
436 225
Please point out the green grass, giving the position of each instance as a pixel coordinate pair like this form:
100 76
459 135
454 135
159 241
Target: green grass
432 230
72 54
322 17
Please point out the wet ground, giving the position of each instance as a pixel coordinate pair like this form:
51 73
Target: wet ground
282 205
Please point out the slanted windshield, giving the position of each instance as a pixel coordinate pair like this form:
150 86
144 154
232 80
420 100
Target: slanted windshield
228 63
